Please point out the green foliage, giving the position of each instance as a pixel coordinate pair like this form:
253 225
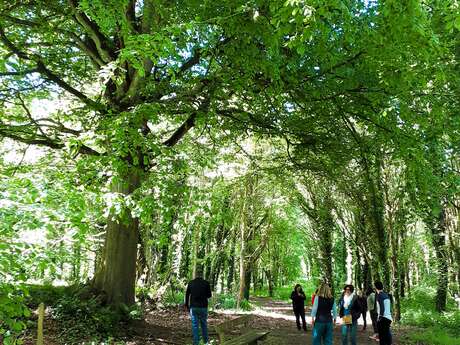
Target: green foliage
432 336
331 87
84 319
13 312
419 310
283 293
173 298
47 294
224 301
246 305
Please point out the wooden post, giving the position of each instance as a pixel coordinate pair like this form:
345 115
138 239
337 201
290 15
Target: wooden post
41 314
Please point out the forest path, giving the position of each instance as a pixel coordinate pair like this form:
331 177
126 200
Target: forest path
279 319
172 326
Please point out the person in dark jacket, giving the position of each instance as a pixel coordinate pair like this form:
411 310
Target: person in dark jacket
323 314
196 301
298 305
350 312
384 318
362 299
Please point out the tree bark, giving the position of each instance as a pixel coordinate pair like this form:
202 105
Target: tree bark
115 277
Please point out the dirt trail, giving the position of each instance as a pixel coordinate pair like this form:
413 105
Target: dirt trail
172 326
277 316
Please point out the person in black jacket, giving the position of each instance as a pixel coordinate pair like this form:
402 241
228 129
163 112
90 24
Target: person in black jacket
323 315
298 305
362 299
196 301
350 312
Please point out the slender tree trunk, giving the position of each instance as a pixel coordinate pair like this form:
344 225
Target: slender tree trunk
377 216
243 275
438 232
270 282
76 266
367 279
231 266
241 292
116 275
402 280
396 289
247 285
408 280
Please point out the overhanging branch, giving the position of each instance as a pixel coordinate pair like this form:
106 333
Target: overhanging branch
42 69
181 131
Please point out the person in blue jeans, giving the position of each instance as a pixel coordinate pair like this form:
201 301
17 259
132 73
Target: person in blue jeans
350 311
323 315
196 301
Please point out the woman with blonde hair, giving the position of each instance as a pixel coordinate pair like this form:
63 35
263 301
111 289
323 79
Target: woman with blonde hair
323 315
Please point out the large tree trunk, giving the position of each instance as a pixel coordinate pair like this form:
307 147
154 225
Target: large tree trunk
115 277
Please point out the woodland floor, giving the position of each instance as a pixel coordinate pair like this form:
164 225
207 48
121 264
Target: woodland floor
172 326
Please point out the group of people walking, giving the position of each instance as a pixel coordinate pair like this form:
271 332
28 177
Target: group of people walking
350 308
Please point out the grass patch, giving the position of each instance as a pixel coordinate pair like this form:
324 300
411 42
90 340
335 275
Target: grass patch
433 336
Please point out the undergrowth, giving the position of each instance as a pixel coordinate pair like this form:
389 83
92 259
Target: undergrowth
434 328
82 318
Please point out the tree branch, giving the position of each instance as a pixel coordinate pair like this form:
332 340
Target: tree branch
186 126
148 16
102 43
181 131
42 69
44 141
29 115
19 73
53 77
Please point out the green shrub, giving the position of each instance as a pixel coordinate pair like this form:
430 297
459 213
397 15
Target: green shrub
13 312
47 294
419 310
245 305
173 298
284 293
224 301
79 319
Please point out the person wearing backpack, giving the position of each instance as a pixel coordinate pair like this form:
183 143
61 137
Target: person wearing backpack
298 305
350 312
384 318
323 315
